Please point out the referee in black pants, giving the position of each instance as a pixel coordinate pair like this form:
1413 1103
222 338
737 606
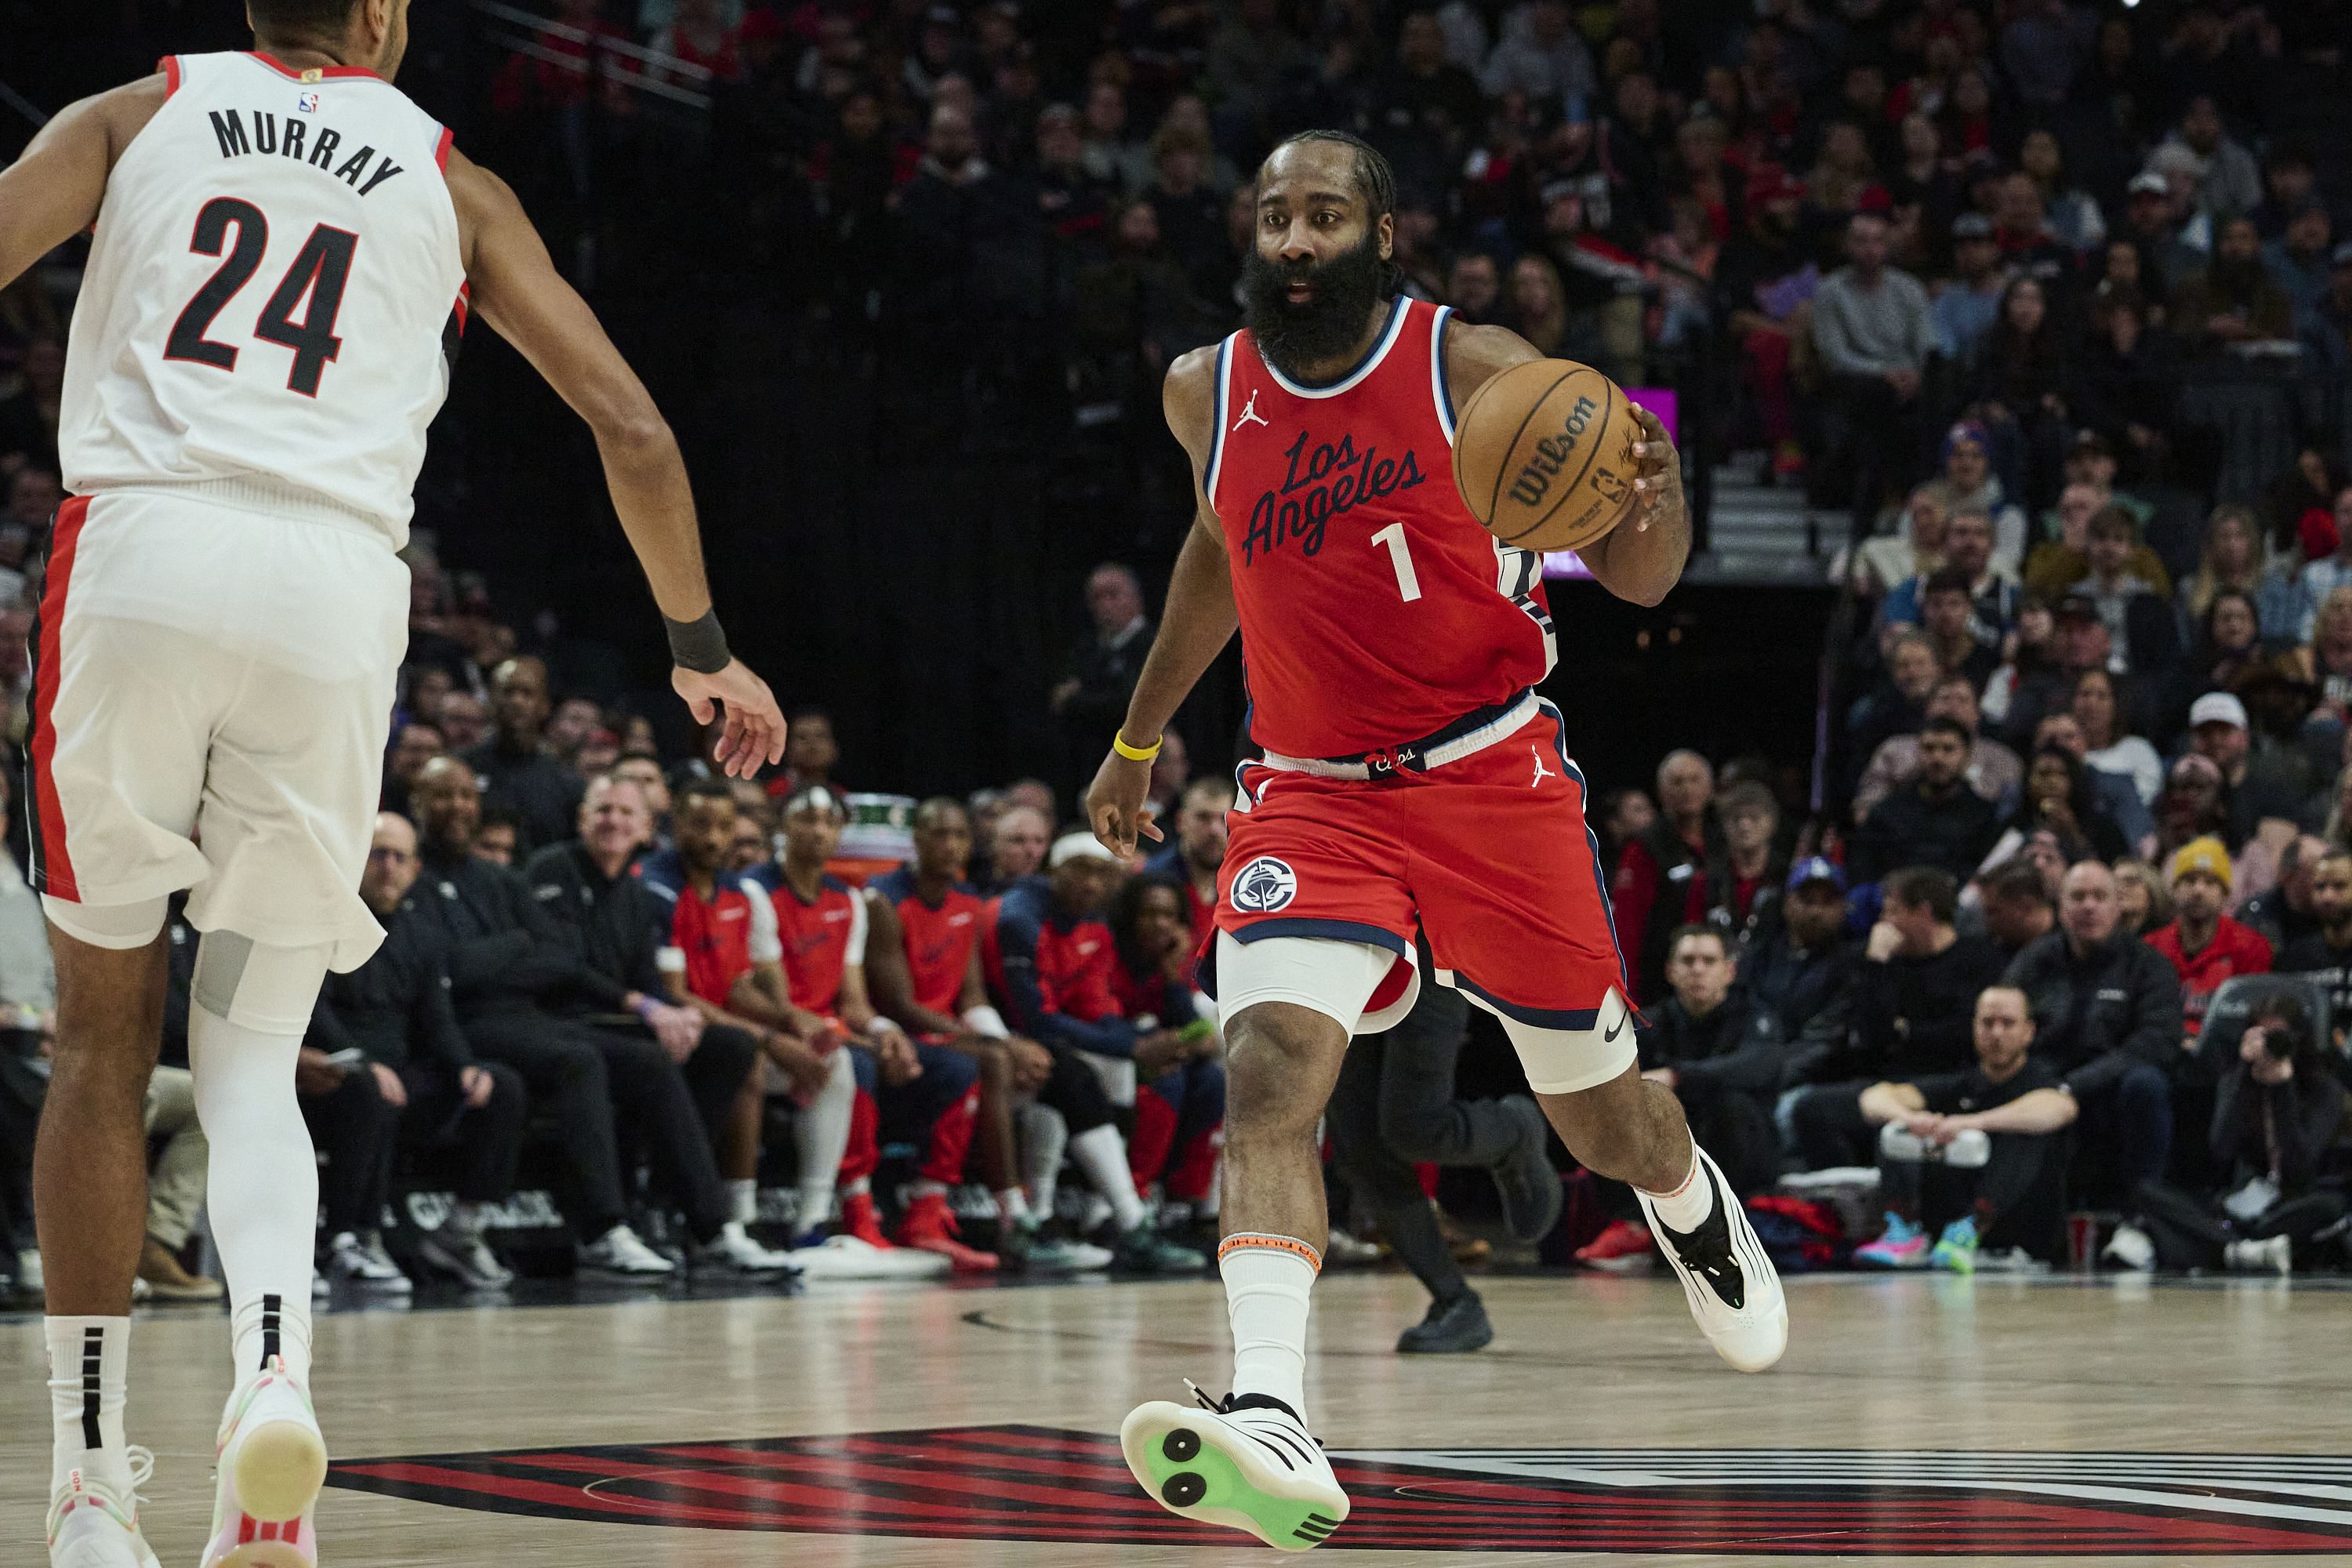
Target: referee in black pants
1393 1108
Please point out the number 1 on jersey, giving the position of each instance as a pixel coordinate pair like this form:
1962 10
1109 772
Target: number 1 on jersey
1400 557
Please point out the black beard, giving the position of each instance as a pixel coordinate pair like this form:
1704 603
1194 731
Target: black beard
1295 338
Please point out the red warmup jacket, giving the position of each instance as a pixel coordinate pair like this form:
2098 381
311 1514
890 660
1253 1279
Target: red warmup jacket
2235 950
1052 973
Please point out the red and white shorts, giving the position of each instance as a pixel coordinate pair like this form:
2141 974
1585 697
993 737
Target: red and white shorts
212 688
1486 850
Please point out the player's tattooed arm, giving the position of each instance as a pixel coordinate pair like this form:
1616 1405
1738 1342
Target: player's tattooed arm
1642 557
52 192
1195 623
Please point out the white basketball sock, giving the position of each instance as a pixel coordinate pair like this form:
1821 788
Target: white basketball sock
1045 1137
823 1130
1686 1208
89 1364
1267 1281
743 1201
1013 1205
1101 1153
262 1187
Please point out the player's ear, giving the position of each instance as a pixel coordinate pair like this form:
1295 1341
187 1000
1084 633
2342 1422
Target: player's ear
1388 236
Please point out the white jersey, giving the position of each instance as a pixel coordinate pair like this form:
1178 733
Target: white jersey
273 291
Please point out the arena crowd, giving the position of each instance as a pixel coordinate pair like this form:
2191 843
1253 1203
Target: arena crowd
1992 994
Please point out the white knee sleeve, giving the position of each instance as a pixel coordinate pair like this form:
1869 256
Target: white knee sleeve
1333 977
118 926
269 989
1564 1061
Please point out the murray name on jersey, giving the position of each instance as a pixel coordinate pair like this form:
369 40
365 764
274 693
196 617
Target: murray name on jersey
1329 481
305 140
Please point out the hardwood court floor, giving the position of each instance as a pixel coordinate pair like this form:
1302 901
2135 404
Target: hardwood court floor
1589 1368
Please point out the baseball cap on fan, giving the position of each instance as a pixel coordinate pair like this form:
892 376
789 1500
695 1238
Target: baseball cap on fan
1078 846
1816 868
2217 708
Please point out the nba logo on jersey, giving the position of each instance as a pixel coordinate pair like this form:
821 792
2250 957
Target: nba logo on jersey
1264 886
307 103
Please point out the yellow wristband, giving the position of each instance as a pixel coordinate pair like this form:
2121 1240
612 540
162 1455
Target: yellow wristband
1135 753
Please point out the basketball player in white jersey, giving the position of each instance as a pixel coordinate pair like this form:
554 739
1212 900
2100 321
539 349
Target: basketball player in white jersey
282 240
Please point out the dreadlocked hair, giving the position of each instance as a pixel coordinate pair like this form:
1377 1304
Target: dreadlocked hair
1374 180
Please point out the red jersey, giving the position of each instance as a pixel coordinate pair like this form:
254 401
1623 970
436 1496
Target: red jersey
821 937
1374 609
2236 949
939 940
722 936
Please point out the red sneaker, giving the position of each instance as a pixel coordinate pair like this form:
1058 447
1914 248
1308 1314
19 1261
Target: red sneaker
1623 1249
858 1219
930 1227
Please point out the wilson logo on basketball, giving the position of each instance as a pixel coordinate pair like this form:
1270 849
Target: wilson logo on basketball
1551 455
1263 886
1328 482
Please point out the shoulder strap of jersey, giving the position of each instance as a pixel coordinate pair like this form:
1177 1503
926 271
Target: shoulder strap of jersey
1217 411
172 73
1442 393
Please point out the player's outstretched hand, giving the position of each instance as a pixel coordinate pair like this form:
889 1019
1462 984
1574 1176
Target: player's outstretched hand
755 725
1118 808
1658 473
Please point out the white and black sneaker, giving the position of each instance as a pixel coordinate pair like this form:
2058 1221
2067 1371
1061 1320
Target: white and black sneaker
363 1262
469 1258
1247 1464
1734 1290
618 1254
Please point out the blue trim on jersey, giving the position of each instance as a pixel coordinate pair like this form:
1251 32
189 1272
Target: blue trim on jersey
1216 464
1333 930
1592 839
1577 1019
1444 394
1362 368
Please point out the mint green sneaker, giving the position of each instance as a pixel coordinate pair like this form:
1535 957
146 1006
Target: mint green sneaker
1955 1250
1248 1464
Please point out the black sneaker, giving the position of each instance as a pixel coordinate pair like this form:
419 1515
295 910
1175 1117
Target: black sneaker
1452 1328
1528 1184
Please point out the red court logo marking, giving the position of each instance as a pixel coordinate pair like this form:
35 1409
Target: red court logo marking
1033 1483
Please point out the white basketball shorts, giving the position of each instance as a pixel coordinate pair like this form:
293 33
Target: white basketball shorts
212 684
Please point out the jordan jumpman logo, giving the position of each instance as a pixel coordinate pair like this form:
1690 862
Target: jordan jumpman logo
1250 412
1542 773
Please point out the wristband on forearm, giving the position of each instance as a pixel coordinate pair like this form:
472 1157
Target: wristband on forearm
986 1021
699 645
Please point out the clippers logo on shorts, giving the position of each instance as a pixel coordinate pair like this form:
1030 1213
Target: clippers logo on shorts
1264 886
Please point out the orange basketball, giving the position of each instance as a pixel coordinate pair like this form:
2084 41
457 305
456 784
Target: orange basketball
1543 455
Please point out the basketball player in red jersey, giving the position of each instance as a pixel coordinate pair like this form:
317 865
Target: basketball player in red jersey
284 245
1410 777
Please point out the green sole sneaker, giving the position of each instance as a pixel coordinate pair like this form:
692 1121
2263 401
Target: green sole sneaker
1255 1470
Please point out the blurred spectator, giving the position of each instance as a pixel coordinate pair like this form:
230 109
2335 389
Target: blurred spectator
2058 799
1916 985
812 756
2205 946
2143 902
1992 769
2114 793
464 724
1476 287
1649 894
498 838
1899 704
2169 261
2099 707
2258 797
2233 301
1195 851
2299 262
2016 905
1948 620
1935 820
2236 559
1624 814
2274 1130
1870 324
1180 1069
1540 55
2228 183
1765 282
2109 1025
29 416
1248 60
700 34
2326 572
2128 381
1974 1156
2229 650
1965 482
2327 326
1740 889
1801 971
1100 674
1016 848
2022 379
1966 309
2073 214
2325 951
411 1081
415 745
2143 636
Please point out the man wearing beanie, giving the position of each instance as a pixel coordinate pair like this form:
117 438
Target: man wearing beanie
2204 945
